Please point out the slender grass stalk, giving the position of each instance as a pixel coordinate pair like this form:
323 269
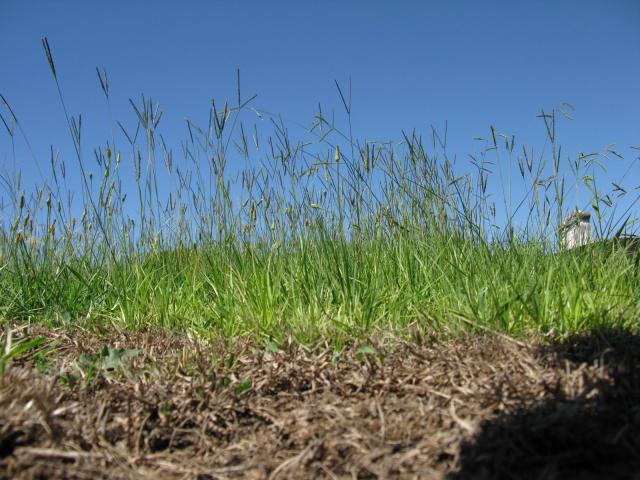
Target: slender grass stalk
317 236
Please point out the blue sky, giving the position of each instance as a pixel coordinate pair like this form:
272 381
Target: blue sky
411 63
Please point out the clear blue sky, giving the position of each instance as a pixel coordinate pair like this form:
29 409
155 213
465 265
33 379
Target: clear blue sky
412 64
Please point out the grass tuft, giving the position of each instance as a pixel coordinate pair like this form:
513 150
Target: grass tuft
254 232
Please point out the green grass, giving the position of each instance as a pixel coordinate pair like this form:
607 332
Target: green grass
324 238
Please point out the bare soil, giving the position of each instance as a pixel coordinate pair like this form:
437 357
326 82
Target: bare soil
480 406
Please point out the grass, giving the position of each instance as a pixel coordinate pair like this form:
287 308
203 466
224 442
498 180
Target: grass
319 239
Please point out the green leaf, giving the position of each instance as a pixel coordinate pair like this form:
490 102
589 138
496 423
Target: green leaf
17 349
23 347
117 356
271 346
362 352
244 385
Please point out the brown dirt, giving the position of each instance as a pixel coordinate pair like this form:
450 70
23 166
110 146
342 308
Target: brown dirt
472 407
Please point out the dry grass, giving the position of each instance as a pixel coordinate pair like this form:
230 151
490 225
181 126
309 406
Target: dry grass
472 407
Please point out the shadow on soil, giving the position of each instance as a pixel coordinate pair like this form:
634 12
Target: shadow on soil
591 432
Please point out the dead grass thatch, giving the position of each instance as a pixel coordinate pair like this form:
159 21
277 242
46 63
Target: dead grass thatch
472 407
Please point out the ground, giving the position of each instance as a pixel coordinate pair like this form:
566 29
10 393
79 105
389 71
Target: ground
477 406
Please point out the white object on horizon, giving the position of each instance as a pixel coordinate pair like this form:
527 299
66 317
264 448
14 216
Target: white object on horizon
575 230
